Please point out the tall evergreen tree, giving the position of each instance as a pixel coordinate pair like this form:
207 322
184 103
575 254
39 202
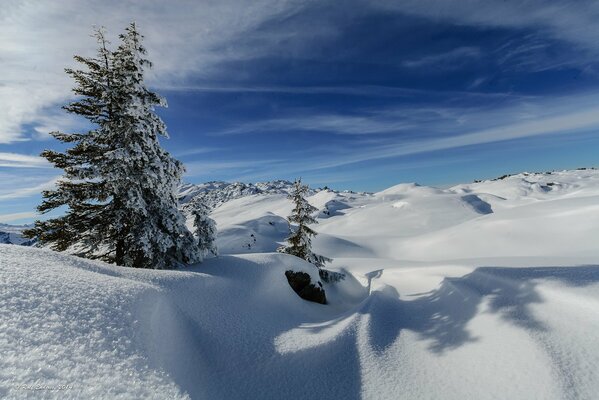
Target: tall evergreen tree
122 207
300 239
144 178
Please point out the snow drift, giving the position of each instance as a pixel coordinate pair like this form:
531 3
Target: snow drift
479 291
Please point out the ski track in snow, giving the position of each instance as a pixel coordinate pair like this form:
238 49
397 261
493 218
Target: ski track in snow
480 291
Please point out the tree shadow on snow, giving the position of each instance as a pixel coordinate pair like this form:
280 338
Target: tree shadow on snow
442 315
228 349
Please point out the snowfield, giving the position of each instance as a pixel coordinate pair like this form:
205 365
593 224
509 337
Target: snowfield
479 291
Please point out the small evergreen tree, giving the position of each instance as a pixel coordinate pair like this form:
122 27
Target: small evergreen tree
300 239
205 228
119 183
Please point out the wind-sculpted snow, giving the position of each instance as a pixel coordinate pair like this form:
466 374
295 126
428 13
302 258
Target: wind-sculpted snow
65 322
232 328
480 291
110 332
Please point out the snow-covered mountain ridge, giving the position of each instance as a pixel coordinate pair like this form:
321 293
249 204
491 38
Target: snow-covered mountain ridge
11 234
216 193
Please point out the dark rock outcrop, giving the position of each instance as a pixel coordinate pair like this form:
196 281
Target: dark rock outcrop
302 284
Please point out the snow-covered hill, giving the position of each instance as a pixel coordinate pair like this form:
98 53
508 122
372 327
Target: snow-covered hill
479 291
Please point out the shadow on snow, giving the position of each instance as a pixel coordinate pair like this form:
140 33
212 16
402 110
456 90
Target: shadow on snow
216 368
441 315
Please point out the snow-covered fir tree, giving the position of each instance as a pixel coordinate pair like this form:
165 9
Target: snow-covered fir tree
204 228
82 188
134 219
148 226
300 239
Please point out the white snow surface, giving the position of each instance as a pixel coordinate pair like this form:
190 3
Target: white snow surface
480 291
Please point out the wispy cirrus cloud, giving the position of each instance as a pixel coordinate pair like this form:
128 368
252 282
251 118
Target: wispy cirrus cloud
11 217
15 160
405 131
425 120
10 193
354 90
39 38
561 124
333 123
194 151
573 22
446 60
231 167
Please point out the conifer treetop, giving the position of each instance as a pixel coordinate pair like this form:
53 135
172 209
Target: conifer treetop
300 239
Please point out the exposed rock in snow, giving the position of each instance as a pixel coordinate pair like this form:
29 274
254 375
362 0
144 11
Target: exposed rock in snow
302 284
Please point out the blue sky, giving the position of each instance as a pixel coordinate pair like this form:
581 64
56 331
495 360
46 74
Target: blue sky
359 94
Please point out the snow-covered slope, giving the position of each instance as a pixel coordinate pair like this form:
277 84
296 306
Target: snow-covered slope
479 291
208 332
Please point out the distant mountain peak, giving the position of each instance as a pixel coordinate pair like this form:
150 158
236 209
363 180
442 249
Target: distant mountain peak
11 234
215 193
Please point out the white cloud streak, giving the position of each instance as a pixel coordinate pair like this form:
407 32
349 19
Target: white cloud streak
15 160
24 192
5 218
574 22
403 132
562 124
447 60
207 168
195 151
39 38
